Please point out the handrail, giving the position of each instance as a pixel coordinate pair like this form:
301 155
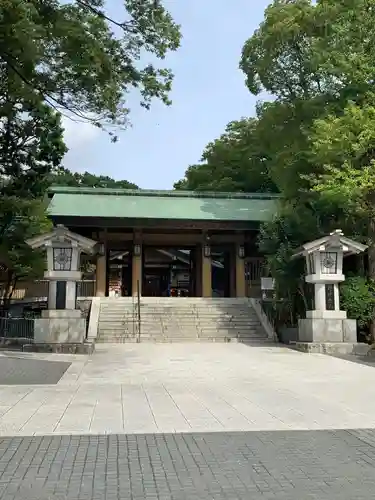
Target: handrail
133 316
139 310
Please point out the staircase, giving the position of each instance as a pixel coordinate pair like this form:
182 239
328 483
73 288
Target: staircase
179 320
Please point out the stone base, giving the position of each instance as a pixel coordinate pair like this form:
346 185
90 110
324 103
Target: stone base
60 330
327 330
331 347
62 313
326 314
85 348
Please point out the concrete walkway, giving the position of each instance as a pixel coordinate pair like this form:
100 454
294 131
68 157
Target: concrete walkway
170 388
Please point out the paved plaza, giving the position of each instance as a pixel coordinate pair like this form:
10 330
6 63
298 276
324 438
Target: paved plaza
167 388
188 421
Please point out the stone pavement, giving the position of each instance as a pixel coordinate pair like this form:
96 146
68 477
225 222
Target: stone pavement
16 370
167 388
304 465
189 421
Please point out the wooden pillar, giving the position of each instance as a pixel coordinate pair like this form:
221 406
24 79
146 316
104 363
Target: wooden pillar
240 274
198 271
137 265
232 271
206 275
101 275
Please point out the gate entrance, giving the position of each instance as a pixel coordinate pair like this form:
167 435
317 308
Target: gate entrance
168 272
119 266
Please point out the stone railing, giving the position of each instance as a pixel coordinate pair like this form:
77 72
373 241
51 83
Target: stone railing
265 319
38 290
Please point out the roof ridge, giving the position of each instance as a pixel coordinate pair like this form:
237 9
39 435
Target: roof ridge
160 193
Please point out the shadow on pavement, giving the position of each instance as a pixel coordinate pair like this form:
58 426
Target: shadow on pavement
22 371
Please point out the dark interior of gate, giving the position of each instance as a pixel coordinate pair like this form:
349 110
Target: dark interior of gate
168 271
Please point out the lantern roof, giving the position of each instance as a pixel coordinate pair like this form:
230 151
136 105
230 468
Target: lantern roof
335 240
62 234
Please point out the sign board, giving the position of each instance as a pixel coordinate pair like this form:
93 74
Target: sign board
267 283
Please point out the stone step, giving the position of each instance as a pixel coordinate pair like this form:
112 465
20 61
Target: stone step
184 340
185 305
179 320
169 318
184 319
243 335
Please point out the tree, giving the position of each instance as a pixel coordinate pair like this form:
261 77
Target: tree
344 148
234 162
280 57
29 218
65 177
305 49
65 58
78 60
31 145
317 60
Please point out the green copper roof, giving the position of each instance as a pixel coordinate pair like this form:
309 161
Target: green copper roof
175 205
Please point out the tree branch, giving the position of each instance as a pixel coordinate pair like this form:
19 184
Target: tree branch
126 26
47 96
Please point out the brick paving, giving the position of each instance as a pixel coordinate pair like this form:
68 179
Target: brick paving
293 465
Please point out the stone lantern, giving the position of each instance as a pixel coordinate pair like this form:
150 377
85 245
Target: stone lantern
324 270
62 322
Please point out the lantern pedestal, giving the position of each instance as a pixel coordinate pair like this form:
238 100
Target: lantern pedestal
62 323
65 326
315 329
333 348
324 314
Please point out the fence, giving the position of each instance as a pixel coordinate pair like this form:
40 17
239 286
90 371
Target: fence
38 290
86 288
16 328
253 272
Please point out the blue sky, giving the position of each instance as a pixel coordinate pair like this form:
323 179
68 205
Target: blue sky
208 92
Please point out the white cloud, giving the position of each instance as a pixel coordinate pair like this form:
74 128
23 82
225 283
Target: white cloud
78 135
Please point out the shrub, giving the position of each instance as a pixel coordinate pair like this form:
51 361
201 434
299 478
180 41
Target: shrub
358 300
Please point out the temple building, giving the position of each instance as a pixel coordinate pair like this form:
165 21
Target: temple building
167 243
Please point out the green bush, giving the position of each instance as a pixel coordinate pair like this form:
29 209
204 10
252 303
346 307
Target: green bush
358 300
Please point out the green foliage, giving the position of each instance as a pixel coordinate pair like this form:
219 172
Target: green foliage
74 57
278 240
317 59
343 146
29 218
65 177
358 299
280 58
234 162
31 144
305 49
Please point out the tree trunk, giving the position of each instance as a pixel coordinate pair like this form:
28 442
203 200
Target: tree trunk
8 291
361 268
